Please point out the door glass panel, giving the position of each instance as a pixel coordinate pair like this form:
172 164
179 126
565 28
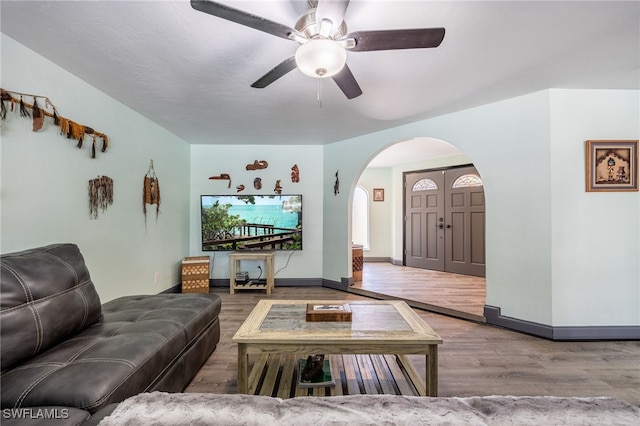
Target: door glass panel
466 181
424 185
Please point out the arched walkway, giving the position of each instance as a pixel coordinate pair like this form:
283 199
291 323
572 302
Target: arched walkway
384 276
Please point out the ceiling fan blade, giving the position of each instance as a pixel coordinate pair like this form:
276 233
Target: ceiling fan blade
333 10
242 18
347 83
417 38
278 71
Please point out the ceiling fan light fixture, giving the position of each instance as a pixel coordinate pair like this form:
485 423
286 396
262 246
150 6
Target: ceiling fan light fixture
320 58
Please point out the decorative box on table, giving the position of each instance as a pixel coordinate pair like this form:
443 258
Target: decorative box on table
195 274
328 313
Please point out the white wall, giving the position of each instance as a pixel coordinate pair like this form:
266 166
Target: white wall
533 272
212 160
595 237
509 144
380 212
44 195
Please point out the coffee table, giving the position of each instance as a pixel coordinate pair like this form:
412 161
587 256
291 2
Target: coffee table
377 327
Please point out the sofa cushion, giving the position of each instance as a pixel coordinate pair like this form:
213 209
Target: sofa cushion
138 340
47 296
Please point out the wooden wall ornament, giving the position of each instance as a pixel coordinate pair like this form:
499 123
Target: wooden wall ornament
68 128
278 188
336 185
150 192
100 195
222 176
295 174
257 165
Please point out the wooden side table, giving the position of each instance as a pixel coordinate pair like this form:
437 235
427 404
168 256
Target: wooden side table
234 266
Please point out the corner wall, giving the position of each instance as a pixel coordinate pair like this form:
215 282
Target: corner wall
518 153
44 196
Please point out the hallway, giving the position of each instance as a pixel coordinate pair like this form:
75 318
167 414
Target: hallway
461 296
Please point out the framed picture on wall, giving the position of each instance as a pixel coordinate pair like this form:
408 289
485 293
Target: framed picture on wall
378 194
612 165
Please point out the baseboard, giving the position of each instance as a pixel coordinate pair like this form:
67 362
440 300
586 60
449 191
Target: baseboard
369 259
279 282
343 285
298 282
577 333
613 332
175 289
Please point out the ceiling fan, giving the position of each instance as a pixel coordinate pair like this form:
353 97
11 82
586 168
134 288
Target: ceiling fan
323 38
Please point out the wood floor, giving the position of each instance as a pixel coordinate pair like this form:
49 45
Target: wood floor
475 359
461 296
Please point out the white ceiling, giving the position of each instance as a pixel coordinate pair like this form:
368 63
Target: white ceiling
191 72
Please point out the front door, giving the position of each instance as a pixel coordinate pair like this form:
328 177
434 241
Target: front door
424 215
464 217
444 221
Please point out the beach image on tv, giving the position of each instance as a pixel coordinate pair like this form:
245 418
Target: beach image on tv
251 222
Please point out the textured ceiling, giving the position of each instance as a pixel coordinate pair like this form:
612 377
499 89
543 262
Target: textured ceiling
191 72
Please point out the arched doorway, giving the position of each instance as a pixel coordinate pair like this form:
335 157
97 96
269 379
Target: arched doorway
385 271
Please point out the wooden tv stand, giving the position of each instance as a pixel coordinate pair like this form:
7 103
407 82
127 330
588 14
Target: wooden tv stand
234 265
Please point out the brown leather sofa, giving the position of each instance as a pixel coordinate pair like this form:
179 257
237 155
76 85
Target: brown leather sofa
65 355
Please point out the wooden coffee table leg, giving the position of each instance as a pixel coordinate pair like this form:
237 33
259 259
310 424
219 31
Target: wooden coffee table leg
243 369
432 371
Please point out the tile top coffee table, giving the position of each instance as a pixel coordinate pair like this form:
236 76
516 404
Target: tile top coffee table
377 327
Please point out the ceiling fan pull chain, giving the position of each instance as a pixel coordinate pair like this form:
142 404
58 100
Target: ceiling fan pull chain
319 97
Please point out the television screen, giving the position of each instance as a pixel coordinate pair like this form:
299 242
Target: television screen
251 222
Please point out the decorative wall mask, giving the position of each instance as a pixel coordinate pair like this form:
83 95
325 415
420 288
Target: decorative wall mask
257 183
257 165
295 174
222 176
100 195
150 191
278 188
68 128
336 185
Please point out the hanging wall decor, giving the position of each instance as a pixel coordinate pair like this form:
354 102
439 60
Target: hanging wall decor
222 176
257 165
150 191
68 128
295 174
257 183
612 165
336 185
100 195
278 188
239 188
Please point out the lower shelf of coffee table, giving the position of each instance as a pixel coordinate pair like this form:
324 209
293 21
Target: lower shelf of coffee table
276 375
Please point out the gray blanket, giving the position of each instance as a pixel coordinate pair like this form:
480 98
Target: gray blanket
159 408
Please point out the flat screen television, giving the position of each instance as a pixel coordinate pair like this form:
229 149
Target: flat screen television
251 222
